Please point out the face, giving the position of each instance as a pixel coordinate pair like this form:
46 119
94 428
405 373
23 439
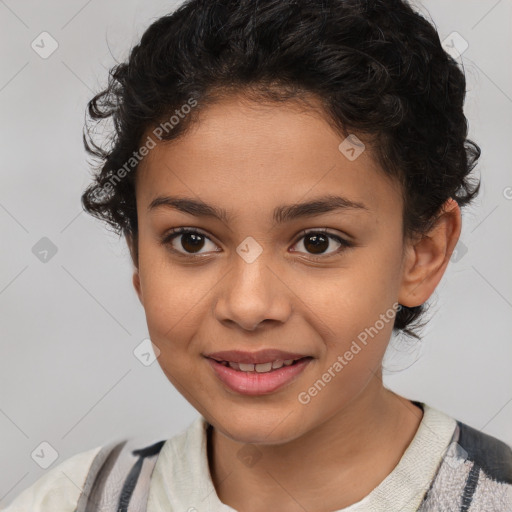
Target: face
312 281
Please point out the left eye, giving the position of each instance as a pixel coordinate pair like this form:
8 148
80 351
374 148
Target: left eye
319 241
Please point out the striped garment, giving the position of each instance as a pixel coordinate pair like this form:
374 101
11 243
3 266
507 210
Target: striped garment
475 475
448 467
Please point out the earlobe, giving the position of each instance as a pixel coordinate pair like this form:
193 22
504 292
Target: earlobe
427 258
136 285
134 255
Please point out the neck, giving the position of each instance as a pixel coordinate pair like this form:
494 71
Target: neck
335 464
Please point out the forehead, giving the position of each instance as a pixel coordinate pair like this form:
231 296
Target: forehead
246 156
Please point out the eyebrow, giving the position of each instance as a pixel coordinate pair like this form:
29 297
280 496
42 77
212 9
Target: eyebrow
282 214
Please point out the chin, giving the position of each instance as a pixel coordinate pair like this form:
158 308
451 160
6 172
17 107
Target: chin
265 429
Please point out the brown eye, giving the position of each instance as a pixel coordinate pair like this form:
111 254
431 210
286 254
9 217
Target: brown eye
192 242
189 241
318 242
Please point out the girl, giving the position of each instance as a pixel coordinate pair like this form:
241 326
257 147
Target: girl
288 175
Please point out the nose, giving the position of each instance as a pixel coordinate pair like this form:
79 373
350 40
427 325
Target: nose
253 294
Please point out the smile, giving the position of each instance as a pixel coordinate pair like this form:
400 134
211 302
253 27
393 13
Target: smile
258 379
259 368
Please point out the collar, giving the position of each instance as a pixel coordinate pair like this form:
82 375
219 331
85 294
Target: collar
181 479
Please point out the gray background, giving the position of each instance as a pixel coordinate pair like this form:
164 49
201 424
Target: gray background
69 326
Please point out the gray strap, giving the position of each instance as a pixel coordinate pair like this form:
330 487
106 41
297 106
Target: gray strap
119 477
101 462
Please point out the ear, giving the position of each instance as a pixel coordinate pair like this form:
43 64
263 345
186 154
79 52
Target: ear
135 277
426 259
136 285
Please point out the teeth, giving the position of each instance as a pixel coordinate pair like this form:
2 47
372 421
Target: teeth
261 367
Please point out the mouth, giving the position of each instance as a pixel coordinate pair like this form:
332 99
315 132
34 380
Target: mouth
264 356
260 378
267 367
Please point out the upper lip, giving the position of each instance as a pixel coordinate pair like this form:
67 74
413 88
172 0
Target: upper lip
262 356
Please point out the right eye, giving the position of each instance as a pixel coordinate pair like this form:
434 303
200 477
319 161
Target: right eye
192 241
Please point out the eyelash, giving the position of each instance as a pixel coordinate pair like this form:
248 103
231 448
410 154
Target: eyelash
170 236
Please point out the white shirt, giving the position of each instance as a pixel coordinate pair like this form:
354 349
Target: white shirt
181 479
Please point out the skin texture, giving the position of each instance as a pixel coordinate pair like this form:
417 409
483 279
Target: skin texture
249 158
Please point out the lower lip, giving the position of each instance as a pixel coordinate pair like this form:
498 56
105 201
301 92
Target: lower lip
254 383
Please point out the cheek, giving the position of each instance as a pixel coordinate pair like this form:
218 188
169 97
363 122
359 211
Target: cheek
348 300
176 302
353 356
354 310
173 310
173 294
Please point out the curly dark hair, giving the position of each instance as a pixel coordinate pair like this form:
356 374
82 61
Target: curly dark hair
377 67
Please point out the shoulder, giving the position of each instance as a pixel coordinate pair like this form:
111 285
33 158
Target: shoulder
119 470
474 474
491 455
59 488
